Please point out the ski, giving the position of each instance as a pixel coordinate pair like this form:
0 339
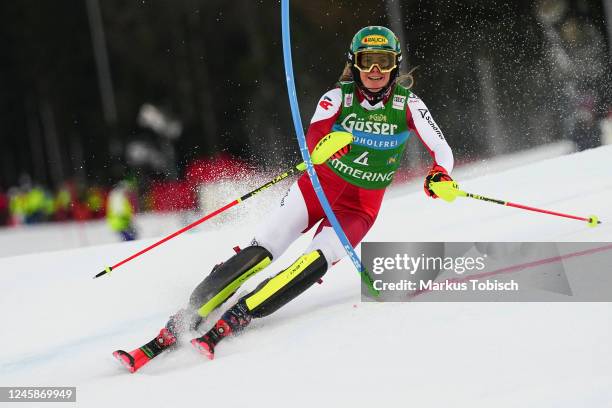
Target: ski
204 346
137 358
233 321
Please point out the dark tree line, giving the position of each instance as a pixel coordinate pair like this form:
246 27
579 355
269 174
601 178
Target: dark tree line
217 67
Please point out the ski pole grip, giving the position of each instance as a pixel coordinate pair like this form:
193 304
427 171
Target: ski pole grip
330 144
446 190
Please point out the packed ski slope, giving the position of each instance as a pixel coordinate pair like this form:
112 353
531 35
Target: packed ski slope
326 348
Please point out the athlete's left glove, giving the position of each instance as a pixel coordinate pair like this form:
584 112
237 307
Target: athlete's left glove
437 173
341 152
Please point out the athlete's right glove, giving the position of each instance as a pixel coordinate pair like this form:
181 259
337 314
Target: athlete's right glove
437 173
341 152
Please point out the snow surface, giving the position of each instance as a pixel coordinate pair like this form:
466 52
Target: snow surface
326 348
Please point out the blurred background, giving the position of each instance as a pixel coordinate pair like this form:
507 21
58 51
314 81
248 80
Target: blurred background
109 108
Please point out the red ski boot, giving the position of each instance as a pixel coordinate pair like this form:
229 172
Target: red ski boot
206 344
232 321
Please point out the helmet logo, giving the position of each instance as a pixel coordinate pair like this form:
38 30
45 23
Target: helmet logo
375 40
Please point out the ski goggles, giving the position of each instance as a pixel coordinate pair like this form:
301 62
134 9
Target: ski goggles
386 61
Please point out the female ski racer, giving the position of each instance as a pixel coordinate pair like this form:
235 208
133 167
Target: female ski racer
381 114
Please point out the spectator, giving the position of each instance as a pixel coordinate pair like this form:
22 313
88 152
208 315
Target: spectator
4 214
17 206
38 205
120 211
63 203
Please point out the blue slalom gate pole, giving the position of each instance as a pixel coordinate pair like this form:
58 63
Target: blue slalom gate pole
299 131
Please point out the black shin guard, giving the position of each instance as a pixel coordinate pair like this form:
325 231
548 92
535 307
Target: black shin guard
277 291
226 278
268 297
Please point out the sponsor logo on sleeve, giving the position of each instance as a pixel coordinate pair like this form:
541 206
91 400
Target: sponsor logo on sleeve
326 102
425 115
399 101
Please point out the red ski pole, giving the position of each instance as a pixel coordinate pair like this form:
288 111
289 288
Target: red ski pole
449 191
327 146
296 169
592 220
